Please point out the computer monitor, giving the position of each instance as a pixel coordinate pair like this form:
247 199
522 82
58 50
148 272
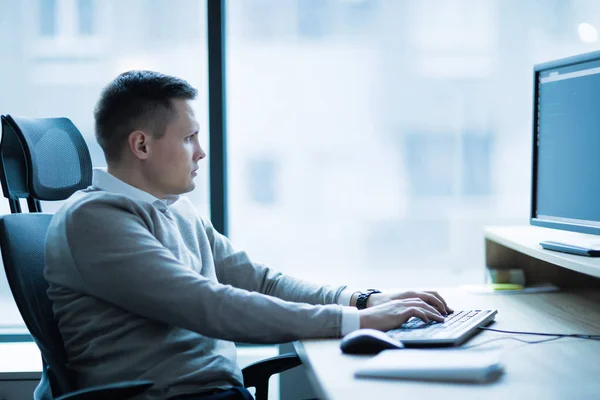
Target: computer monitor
566 144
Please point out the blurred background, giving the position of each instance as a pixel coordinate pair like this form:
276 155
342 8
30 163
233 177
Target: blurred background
366 138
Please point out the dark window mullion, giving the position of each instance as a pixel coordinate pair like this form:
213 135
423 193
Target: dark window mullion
217 115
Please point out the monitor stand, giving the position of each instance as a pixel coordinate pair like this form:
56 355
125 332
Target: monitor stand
571 248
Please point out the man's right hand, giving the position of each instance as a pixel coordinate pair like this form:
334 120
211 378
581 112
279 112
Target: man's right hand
394 313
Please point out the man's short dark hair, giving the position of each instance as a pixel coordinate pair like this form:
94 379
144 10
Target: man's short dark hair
136 100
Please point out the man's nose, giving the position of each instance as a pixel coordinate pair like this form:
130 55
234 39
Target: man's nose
199 154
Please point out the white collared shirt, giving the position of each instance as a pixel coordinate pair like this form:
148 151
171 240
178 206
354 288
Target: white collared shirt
103 180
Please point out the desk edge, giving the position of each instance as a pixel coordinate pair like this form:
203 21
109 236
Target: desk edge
311 374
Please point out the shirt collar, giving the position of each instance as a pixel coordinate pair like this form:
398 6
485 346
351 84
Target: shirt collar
110 183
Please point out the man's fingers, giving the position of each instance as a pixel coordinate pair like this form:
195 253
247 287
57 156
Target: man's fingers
437 295
425 299
435 301
435 316
440 299
421 304
414 312
423 314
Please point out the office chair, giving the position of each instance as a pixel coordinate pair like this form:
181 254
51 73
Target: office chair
48 160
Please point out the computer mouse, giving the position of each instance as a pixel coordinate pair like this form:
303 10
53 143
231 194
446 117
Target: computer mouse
368 341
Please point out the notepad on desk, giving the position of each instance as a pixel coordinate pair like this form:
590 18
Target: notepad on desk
439 365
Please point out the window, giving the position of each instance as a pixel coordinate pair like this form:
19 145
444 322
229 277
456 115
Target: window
85 17
73 50
314 18
401 128
430 164
47 18
66 18
262 180
476 172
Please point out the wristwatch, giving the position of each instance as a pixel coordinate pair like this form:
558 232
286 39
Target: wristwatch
361 301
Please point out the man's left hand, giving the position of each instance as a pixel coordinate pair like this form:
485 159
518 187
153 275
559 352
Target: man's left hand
430 297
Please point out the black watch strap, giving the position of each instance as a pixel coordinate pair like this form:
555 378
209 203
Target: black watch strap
361 301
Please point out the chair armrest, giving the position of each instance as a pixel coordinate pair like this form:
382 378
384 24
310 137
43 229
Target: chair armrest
114 391
257 374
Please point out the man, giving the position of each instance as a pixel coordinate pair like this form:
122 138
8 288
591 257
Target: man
144 288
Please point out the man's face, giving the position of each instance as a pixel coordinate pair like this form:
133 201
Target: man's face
173 159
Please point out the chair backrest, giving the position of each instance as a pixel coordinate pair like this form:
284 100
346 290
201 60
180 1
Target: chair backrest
40 159
22 240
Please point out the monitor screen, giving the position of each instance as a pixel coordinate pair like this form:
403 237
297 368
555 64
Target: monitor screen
566 144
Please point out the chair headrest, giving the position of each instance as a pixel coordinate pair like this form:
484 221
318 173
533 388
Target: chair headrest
55 156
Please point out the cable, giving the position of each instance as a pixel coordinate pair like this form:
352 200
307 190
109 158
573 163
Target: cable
555 336
558 335
502 338
509 338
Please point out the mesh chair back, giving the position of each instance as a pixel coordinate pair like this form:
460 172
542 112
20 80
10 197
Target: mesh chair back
56 158
12 166
22 240
40 159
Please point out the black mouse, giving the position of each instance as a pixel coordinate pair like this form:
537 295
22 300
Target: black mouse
368 341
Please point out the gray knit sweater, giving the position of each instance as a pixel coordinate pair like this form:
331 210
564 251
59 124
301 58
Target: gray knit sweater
143 294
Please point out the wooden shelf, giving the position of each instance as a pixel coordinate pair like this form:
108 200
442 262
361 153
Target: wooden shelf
526 240
519 247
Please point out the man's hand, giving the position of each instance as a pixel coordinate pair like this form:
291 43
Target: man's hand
391 309
429 297
393 313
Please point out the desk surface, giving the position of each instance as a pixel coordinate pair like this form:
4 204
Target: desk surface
566 368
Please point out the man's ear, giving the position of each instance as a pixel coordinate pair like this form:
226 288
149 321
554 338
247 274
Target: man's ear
138 143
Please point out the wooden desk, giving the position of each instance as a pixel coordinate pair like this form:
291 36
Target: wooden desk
562 369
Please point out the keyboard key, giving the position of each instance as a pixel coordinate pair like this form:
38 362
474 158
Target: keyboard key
418 329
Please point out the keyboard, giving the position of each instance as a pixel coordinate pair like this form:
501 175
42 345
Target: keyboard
458 327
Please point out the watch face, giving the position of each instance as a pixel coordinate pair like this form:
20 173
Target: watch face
361 301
